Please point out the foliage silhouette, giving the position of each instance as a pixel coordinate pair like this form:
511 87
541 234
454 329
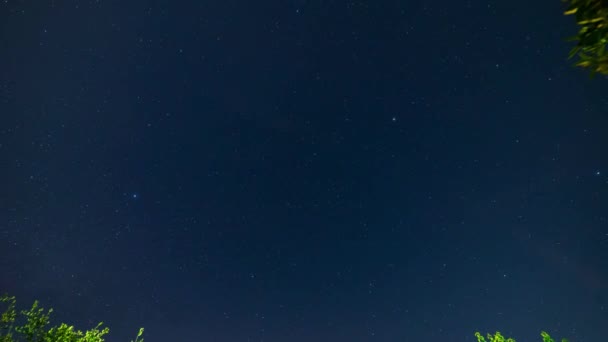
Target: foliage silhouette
592 18
499 338
36 321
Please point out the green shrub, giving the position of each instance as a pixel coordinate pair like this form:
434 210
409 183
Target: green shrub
499 338
36 321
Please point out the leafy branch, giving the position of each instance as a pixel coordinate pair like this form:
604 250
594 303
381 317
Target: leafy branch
499 338
592 17
36 321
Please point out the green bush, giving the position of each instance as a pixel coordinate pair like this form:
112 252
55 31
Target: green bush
36 321
499 338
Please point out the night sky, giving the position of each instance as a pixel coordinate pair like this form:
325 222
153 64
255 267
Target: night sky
301 170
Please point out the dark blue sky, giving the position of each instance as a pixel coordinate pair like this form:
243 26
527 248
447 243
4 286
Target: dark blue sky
303 170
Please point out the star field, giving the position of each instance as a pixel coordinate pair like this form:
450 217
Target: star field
302 170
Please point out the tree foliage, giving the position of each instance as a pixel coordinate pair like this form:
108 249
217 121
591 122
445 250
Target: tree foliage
34 329
592 19
499 338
